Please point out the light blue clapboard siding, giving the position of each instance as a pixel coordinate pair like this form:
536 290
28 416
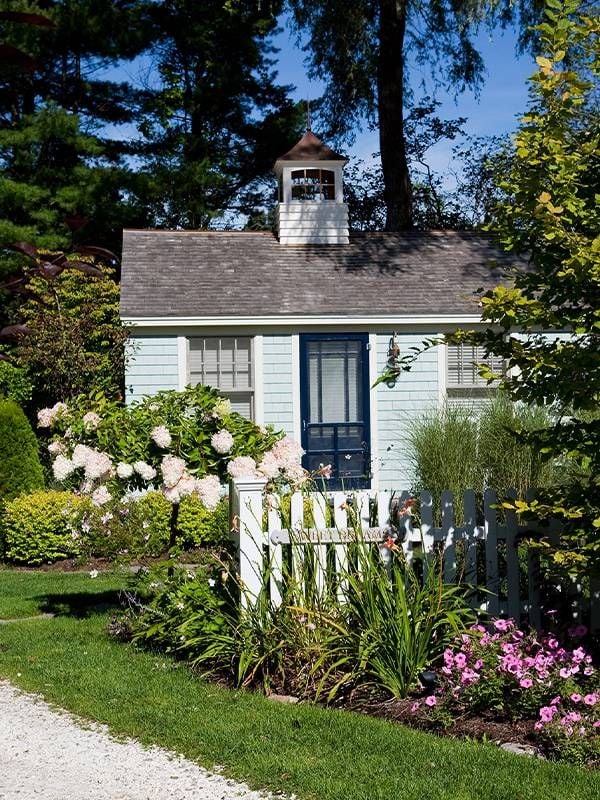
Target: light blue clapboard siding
414 392
152 366
277 382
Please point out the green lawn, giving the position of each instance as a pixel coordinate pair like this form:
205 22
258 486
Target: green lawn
316 753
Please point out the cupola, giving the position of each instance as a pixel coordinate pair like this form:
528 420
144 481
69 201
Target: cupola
311 208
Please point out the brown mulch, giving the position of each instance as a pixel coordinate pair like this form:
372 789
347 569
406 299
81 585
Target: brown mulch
476 727
189 557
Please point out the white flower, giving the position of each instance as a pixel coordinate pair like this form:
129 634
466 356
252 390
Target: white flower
98 465
47 416
242 467
106 518
212 582
269 466
171 494
296 474
124 471
144 470
56 448
172 469
62 467
91 420
209 491
93 573
222 441
161 436
222 407
100 496
287 452
81 453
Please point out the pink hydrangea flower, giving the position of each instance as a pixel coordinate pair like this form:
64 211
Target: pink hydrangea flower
56 448
47 416
124 471
172 469
287 452
144 470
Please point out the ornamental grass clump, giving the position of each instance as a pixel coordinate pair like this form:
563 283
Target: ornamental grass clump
510 674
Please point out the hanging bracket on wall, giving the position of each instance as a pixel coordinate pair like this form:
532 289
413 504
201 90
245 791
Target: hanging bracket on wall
393 359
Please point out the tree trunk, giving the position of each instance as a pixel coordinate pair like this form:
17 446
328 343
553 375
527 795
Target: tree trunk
390 102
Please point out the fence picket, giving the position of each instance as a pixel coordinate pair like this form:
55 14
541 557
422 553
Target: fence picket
448 532
319 511
512 561
491 552
297 547
275 551
340 517
427 536
470 539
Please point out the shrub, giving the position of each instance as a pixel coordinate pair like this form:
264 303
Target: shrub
175 611
20 468
140 526
39 527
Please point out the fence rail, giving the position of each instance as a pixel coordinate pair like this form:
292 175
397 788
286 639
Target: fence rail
488 552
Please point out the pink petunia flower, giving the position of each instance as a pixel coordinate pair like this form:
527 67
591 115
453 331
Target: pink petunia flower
430 701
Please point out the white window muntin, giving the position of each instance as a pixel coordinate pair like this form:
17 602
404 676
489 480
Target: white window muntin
226 364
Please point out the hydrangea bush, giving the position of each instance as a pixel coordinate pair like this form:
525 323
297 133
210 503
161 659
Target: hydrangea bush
179 443
516 674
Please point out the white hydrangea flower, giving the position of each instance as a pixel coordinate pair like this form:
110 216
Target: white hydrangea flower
62 467
161 436
242 467
98 465
222 407
124 471
100 496
209 491
47 416
56 448
269 466
287 452
173 469
81 455
222 441
171 494
91 420
296 474
144 470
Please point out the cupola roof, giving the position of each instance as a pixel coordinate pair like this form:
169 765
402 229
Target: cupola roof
311 148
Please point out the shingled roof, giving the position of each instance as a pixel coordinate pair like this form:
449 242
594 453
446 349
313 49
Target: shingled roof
311 148
212 274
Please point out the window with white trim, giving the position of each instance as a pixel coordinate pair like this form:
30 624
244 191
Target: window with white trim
225 363
313 185
462 373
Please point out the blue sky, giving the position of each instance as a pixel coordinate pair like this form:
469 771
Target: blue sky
501 101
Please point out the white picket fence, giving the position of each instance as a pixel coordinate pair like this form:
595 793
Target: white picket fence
488 555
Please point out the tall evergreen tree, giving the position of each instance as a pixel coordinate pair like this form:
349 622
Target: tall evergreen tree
60 170
219 118
363 49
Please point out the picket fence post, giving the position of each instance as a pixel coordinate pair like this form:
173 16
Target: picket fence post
249 536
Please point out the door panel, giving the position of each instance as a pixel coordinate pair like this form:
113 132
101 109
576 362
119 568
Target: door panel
334 379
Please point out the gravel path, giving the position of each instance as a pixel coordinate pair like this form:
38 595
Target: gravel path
48 755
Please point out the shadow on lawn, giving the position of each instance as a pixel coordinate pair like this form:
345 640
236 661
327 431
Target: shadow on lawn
79 604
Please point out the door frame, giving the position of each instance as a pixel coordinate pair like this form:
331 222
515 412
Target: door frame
304 338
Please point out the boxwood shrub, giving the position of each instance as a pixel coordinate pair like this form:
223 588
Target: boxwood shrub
38 528
20 468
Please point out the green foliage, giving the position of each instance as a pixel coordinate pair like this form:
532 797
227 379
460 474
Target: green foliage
392 625
38 528
15 383
20 468
198 526
442 447
176 611
552 215
459 447
140 526
76 343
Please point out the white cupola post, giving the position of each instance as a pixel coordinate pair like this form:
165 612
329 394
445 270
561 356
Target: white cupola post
311 208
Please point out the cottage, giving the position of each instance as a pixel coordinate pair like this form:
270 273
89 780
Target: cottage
295 327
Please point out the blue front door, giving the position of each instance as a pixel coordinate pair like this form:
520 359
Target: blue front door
334 380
